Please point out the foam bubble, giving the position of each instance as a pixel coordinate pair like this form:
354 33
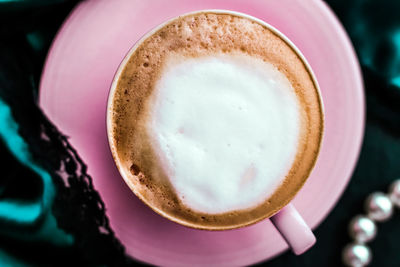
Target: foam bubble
226 129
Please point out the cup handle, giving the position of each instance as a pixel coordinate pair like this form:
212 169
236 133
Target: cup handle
293 229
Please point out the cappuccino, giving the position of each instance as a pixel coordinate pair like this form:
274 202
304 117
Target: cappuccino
215 121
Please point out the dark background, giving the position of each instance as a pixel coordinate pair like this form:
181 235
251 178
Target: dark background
374 27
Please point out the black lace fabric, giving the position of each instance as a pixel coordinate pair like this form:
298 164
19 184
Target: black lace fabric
77 207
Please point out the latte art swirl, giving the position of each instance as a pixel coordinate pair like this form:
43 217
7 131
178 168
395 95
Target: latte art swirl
226 128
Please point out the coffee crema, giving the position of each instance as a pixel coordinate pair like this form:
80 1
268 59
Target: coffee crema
215 121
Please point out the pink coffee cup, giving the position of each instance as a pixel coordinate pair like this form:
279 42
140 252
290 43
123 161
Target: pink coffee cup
293 229
287 220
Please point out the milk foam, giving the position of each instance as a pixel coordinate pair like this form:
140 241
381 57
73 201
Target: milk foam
226 129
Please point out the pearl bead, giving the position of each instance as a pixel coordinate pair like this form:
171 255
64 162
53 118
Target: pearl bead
379 207
356 255
394 193
362 229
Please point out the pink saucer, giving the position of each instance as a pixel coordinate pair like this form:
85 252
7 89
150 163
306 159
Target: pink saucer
74 89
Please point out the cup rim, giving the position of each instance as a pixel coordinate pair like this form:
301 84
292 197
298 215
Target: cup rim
113 88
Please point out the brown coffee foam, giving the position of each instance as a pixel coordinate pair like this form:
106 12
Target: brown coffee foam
198 35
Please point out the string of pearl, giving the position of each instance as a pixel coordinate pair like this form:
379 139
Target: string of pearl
362 228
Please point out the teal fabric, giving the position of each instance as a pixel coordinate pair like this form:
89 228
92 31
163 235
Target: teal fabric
28 213
45 220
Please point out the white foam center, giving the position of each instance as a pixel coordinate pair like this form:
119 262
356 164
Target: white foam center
226 129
